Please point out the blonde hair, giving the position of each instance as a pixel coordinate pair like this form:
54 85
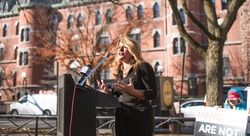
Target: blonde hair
134 49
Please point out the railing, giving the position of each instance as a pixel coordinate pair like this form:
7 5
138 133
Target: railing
24 124
27 123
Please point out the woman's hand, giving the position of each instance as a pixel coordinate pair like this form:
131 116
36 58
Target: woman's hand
232 103
103 86
129 89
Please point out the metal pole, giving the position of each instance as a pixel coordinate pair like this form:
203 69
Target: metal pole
36 131
182 78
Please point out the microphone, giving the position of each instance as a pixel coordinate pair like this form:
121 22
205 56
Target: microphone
86 70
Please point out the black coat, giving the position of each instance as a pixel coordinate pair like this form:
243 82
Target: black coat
136 116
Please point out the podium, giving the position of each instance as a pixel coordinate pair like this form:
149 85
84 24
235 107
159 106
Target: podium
81 121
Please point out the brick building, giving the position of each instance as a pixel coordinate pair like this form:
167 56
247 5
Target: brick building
27 27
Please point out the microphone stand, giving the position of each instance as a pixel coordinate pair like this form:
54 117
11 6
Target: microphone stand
87 75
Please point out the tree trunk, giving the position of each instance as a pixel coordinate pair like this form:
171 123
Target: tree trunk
214 75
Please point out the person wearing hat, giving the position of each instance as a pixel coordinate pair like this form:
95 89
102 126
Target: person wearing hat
235 100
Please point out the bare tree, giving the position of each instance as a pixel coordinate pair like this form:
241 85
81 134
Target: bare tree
76 39
216 34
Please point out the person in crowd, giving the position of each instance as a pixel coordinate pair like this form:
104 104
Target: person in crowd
134 87
235 100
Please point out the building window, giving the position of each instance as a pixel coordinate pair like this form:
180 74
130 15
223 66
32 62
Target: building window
56 19
156 9
23 58
98 18
179 46
5 30
1 76
2 47
157 39
137 37
182 45
70 21
103 41
79 20
1 53
182 14
17 28
22 35
224 4
136 34
140 12
226 66
109 16
129 13
25 34
15 53
105 74
192 86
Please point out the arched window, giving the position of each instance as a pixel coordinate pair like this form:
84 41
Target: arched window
129 13
98 18
157 39
103 41
27 34
136 34
182 13
5 30
22 35
70 21
1 76
140 12
25 58
79 20
182 45
21 58
109 16
175 46
17 28
56 20
179 45
105 74
15 53
2 51
156 9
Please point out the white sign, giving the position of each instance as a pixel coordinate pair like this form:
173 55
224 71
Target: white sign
220 122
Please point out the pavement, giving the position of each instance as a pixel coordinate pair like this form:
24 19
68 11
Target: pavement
104 132
108 132
185 131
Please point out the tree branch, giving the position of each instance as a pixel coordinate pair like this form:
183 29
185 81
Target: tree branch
197 22
233 7
195 45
